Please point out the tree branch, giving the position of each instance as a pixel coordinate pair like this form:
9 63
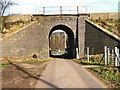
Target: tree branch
4 5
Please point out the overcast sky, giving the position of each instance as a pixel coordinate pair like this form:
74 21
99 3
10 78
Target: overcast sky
34 6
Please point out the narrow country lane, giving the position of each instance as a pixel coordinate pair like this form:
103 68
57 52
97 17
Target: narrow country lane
64 73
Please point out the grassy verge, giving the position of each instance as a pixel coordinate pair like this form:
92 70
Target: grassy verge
4 65
35 61
92 61
31 61
86 63
108 74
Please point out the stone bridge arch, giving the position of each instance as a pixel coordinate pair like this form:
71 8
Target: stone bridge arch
34 38
71 40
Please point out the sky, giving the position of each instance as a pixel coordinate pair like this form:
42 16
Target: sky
58 31
35 6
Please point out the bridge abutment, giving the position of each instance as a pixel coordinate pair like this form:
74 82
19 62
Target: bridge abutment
34 38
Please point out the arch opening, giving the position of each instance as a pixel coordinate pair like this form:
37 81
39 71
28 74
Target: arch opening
68 46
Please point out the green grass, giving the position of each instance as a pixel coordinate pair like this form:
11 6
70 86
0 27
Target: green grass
4 65
92 61
116 20
109 20
105 23
61 52
8 63
96 69
110 75
35 61
101 20
87 63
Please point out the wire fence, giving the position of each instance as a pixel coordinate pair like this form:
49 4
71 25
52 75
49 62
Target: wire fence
110 57
61 10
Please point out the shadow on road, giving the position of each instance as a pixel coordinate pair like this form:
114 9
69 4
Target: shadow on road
64 56
30 75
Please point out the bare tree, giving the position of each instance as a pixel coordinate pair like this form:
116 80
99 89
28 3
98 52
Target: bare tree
4 4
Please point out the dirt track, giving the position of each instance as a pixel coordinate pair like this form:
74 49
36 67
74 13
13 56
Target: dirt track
22 75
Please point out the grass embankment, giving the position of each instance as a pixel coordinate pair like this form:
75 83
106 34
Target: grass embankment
108 74
29 62
10 27
112 25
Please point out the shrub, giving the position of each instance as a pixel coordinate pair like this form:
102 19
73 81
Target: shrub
101 20
110 28
92 59
109 20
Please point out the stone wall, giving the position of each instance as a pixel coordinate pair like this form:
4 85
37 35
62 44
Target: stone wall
25 43
81 35
96 39
34 39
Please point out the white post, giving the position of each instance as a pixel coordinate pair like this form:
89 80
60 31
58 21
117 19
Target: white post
112 56
105 53
88 54
77 55
115 56
118 56
108 51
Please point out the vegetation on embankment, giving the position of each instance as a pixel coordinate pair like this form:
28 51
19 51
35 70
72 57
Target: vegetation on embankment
108 74
112 25
10 27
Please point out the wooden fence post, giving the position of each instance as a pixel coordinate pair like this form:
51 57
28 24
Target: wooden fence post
108 52
116 56
88 54
105 53
112 56
77 54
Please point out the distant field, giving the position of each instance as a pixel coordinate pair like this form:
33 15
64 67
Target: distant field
55 53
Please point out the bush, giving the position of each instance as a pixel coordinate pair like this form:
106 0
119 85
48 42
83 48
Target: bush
101 20
109 20
110 28
92 59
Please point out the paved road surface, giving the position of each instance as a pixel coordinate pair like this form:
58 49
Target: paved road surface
0 79
63 73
